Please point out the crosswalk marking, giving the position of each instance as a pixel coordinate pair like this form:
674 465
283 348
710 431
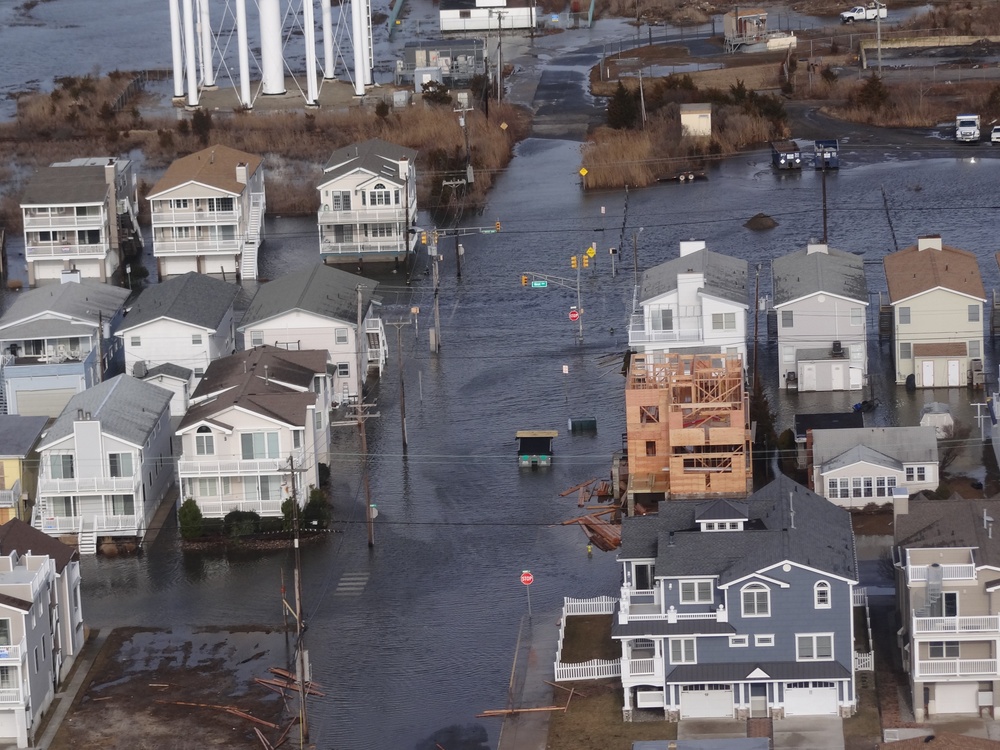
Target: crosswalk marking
351 584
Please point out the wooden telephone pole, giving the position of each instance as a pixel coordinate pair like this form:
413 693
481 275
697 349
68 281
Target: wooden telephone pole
369 517
302 658
398 325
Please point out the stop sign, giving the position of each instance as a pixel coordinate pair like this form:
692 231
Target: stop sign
526 578
574 315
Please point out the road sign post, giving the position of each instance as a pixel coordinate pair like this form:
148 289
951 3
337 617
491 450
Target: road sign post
527 579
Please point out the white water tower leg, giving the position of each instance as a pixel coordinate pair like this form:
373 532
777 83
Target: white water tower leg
272 62
357 39
244 53
176 50
309 36
189 57
205 26
329 64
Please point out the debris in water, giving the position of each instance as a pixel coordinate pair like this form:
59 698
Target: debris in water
761 221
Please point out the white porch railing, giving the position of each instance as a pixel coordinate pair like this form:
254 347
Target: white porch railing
595 669
219 508
236 466
977 624
859 597
600 605
61 524
193 218
364 215
64 250
917 573
205 246
12 653
956 668
84 485
637 667
638 334
368 245
73 222
864 662
10 695
10 498
116 523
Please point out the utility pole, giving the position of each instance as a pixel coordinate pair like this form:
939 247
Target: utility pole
436 343
878 36
369 518
299 626
398 324
824 202
100 343
756 318
499 56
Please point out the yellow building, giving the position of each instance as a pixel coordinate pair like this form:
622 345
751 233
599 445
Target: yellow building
18 464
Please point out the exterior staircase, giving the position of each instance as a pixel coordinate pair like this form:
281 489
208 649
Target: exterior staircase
87 539
248 261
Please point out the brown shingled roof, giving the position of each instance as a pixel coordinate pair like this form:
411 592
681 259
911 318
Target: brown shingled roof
215 166
18 536
912 271
952 349
942 741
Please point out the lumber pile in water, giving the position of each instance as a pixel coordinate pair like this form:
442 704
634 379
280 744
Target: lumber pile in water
602 534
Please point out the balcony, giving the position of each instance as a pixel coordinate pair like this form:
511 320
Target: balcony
364 215
128 525
958 668
637 333
58 250
12 654
88 485
71 222
194 218
220 508
956 625
386 246
9 696
236 467
918 573
10 498
205 246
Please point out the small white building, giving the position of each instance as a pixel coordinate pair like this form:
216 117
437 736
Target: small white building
486 15
696 120
208 214
106 463
318 309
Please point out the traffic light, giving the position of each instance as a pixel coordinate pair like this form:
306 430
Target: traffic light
586 261
498 225
423 238
572 262
524 279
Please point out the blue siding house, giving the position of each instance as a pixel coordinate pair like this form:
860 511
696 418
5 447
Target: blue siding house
739 609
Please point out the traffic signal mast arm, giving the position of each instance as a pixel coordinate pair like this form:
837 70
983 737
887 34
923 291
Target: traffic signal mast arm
552 280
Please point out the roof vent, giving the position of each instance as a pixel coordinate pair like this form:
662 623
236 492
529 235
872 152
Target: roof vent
817 247
929 242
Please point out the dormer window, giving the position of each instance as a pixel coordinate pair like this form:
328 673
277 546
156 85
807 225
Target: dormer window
722 525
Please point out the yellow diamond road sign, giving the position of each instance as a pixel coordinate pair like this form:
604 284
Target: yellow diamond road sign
591 252
583 171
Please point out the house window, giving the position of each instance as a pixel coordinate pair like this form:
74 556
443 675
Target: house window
921 474
179 203
204 442
974 349
341 201
904 351
5 632
135 341
710 526
756 599
296 438
318 420
788 354
340 335
973 313
949 602
723 321
35 653
763 640
857 316
62 507
814 647
662 319
379 230
649 414
120 464
867 486
220 204
196 339
909 473
62 466
821 595
199 372
122 505
856 487
258 445
739 641
943 649
650 447
904 316
881 490
787 318
380 196
696 592
343 369
256 338
210 487
682 651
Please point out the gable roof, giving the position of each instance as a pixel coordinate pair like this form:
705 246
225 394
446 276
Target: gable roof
833 271
376 156
725 276
321 290
81 300
786 522
192 298
51 186
955 522
214 166
861 454
23 538
912 271
720 510
255 380
904 444
18 434
827 421
126 407
168 370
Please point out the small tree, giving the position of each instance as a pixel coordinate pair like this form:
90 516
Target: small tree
190 519
828 75
951 445
201 125
317 513
623 111
382 110
436 92
287 514
873 95
239 523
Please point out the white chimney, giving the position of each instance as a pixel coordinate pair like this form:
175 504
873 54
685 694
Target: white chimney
817 247
404 168
241 173
691 246
930 242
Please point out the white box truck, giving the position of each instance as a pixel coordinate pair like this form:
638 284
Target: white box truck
967 128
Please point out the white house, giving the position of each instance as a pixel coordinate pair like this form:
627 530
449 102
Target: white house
696 303
175 379
186 321
57 340
820 304
77 215
41 625
856 466
486 15
105 465
318 309
696 120
257 419
208 214
368 203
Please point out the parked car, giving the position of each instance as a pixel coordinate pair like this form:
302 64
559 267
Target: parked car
864 13
995 134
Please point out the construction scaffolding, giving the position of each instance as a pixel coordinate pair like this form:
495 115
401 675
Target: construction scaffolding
688 434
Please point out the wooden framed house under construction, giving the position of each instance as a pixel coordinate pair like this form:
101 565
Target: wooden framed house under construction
687 425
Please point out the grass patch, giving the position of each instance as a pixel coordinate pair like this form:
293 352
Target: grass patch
865 724
595 721
589 637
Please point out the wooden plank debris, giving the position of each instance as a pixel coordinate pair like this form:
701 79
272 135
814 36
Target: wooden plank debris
512 711
227 709
576 487
568 690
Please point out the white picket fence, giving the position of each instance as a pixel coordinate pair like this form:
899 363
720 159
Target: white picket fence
595 669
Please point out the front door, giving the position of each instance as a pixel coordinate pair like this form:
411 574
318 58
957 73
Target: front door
953 372
927 368
837 377
808 379
758 701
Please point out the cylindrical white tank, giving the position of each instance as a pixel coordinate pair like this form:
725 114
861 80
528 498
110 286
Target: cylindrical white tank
205 29
176 50
189 57
271 62
329 63
358 34
309 36
244 53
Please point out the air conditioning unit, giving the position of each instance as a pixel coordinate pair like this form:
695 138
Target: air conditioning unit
139 369
976 365
837 350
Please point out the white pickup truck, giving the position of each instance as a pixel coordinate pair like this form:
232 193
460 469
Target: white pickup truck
864 13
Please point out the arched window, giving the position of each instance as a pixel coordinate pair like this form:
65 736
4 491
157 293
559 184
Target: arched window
756 599
380 195
821 595
204 442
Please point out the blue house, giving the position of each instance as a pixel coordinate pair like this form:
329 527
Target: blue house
739 609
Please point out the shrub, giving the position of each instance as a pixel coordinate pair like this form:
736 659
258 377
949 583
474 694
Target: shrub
873 95
943 491
382 110
828 75
201 125
317 513
623 110
190 519
239 523
324 474
287 512
436 93
271 525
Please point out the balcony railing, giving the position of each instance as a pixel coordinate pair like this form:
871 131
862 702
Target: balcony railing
10 498
11 695
643 667
194 218
236 467
637 333
219 508
938 625
60 524
387 246
81 485
956 668
364 215
128 524
917 573
41 223
58 250
12 653
205 246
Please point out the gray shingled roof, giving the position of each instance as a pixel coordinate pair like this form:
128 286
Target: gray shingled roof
82 300
192 298
54 186
376 156
821 536
23 538
170 370
802 273
951 523
725 277
858 454
127 408
321 290
18 435
829 421
720 510
905 444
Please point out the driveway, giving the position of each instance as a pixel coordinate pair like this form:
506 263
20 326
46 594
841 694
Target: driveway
711 729
809 733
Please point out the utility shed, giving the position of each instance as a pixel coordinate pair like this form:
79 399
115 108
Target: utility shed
696 120
534 447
